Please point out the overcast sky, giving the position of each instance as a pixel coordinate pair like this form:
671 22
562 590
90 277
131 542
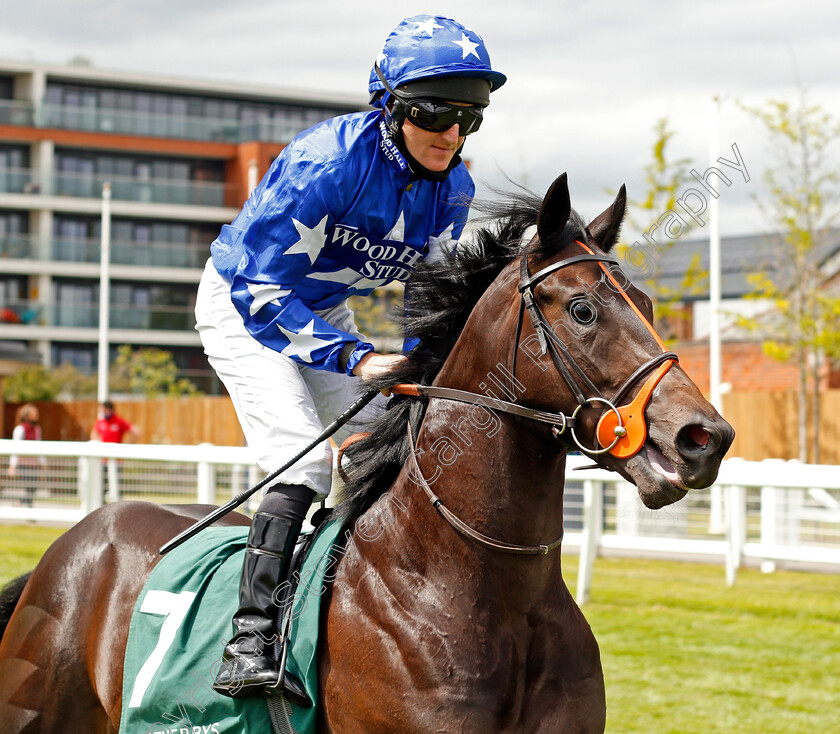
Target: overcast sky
586 81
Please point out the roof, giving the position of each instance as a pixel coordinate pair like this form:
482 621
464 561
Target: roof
740 257
170 83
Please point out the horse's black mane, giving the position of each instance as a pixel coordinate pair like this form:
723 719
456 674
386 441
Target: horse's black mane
440 298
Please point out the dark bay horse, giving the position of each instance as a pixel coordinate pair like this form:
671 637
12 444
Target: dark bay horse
453 615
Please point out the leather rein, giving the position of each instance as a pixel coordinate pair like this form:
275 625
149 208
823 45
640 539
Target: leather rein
621 430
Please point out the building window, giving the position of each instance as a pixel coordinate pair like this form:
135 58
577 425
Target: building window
140 178
133 305
133 241
15 241
14 169
81 356
165 114
15 307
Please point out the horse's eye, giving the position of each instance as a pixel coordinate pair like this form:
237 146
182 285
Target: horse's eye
582 312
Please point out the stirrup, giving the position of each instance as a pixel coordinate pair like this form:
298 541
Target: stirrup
289 686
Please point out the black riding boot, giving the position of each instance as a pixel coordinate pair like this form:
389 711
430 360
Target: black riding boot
248 664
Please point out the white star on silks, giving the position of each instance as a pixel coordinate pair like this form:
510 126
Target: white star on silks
397 233
312 239
467 46
303 342
443 242
427 26
349 277
264 294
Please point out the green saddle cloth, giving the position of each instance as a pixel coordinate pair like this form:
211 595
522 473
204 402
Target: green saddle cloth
180 624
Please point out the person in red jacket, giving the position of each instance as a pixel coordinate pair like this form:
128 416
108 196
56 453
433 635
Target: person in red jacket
110 428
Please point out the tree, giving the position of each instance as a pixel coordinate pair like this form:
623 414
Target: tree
31 385
150 372
665 179
802 205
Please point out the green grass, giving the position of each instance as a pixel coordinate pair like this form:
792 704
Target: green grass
21 547
682 653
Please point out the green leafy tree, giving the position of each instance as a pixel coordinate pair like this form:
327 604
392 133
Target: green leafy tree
30 385
665 180
150 372
801 203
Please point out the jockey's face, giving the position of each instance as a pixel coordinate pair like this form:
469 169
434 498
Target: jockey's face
432 150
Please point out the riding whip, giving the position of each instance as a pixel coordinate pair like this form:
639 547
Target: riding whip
243 496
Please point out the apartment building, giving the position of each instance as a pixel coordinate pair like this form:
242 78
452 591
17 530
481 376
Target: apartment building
180 155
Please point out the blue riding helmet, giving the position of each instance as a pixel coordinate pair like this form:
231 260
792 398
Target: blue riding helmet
424 50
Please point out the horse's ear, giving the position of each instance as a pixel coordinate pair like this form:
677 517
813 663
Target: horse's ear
605 227
555 209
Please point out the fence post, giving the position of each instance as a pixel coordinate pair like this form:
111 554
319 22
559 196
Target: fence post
736 531
254 500
89 483
114 494
206 476
593 500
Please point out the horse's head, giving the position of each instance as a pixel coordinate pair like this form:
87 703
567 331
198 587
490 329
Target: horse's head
585 347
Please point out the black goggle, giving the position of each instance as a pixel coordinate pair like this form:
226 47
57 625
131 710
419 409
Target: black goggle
437 117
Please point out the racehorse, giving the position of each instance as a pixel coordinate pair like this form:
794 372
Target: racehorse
452 615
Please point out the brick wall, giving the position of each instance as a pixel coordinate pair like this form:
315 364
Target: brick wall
744 366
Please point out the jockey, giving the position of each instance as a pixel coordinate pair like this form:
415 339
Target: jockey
349 205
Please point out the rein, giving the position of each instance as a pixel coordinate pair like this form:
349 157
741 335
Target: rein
462 527
621 430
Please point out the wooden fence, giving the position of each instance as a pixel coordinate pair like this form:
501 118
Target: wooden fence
766 425
183 421
765 422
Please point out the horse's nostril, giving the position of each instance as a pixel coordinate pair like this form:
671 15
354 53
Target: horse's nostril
694 437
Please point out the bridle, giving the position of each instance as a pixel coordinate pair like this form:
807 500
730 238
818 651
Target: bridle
621 430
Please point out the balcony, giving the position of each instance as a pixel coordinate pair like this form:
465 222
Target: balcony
123 188
18 247
123 252
20 312
184 127
75 315
148 254
15 112
164 318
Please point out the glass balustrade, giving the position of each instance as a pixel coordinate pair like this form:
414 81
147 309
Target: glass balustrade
158 191
164 318
18 246
265 129
149 254
14 311
19 180
16 112
86 315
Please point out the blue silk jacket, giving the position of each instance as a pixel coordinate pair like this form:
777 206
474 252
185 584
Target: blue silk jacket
339 213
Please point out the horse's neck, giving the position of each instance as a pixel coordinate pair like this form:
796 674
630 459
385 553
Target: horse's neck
496 478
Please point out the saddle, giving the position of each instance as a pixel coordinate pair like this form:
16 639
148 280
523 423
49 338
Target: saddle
181 621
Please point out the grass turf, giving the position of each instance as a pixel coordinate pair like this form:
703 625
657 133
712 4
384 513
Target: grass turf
682 653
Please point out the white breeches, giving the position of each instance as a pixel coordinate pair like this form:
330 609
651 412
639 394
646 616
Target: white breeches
282 405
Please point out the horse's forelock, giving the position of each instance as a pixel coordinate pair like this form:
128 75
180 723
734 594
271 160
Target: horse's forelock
574 230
